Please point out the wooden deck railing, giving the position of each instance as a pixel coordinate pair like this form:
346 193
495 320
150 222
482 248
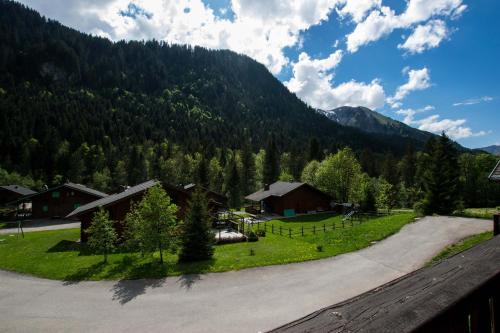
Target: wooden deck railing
458 294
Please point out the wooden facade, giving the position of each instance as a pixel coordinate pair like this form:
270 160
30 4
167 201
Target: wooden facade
284 198
302 200
119 208
60 201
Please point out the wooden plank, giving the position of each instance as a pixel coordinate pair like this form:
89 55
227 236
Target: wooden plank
437 296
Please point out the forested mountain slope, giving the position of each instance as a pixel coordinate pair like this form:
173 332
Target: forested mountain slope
61 89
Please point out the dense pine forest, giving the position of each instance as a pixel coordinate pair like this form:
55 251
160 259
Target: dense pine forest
82 108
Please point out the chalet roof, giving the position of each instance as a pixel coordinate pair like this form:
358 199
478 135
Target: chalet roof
113 198
18 189
277 189
73 186
495 174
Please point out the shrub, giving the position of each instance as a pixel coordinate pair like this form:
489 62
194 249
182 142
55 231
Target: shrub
419 208
252 252
319 248
252 236
260 233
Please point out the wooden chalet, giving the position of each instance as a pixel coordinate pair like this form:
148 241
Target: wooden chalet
118 205
495 174
59 201
11 193
290 198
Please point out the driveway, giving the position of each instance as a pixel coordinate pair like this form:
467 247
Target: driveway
250 300
41 225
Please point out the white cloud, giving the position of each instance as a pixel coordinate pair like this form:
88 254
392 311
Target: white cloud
425 37
473 101
409 114
382 20
418 79
260 29
312 82
452 127
357 9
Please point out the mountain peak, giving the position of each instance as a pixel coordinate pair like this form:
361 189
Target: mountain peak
373 122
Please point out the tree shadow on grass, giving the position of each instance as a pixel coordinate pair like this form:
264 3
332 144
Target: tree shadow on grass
84 273
65 246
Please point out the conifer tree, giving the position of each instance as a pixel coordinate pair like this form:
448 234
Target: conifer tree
441 178
234 189
202 176
271 170
248 170
197 240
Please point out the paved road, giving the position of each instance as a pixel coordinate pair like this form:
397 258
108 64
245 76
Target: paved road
41 225
250 300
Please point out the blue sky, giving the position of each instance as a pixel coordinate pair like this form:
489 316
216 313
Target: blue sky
430 63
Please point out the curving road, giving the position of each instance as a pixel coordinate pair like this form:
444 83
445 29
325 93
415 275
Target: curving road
250 300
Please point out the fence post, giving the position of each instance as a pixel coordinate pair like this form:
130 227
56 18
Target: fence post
343 224
290 232
272 228
314 229
280 231
496 224
258 225
265 227
324 227
302 230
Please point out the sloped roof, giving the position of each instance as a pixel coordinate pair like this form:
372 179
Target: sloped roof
277 189
495 174
85 189
18 189
113 198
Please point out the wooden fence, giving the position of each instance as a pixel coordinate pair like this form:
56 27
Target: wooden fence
459 294
302 230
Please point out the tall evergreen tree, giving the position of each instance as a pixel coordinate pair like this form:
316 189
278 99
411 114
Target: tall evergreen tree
389 169
197 240
271 170
137 166
409 166
248 170
234 190
202 175
314 152
441 177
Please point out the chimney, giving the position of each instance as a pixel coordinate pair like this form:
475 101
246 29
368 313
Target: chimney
266 187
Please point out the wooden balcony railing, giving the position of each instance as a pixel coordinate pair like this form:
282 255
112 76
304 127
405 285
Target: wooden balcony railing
458 294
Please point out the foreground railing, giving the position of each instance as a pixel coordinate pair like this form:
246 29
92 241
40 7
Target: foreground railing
459 294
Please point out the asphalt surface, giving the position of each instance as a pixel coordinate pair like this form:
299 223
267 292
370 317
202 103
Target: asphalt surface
250 300
41 225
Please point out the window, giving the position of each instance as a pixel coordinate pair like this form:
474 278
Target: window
75 206
45 208
56 194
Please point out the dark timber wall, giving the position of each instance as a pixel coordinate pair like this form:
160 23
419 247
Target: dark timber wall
302 200
61 204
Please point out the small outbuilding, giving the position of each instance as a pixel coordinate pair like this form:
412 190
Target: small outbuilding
59 201
11 193
290 198
495 174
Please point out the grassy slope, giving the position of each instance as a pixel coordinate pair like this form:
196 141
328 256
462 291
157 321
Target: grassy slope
482 213
55 255
462 245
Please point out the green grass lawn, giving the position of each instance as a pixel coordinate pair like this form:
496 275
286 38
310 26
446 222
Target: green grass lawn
56 255
462 245
482 213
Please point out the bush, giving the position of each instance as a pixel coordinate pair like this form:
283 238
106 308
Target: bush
260 233
252 252
252 237
419 208
319 248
